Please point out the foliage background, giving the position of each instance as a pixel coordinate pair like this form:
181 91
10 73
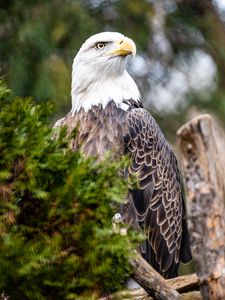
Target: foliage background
179 67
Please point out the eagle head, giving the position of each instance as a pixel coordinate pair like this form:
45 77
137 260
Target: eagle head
99 71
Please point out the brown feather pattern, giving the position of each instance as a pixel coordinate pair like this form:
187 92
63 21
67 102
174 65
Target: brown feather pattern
157 205
160 209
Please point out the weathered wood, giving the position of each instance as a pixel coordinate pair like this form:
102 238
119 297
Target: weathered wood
137 294
196 295
140 294
153 283
205 203
184 283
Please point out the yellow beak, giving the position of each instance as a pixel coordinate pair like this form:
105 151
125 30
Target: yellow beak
124 47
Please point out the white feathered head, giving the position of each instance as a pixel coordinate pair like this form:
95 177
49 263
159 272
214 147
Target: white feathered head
99 71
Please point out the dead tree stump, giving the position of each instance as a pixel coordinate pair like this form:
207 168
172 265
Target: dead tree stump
204 181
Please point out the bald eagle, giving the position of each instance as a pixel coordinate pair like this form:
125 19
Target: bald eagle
107 108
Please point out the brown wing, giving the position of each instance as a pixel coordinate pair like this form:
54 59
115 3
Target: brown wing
157 204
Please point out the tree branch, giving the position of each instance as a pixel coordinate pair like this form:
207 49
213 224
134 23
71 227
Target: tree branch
153 283
141 294
184 283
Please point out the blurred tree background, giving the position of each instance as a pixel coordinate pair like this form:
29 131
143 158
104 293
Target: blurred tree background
181 51
179 69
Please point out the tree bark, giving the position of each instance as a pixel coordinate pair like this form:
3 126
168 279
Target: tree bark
185 283
153 283
140 294
204 180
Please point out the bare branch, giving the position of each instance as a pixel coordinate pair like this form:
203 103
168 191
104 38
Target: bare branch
153 283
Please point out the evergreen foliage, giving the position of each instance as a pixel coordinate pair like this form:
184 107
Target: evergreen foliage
56 209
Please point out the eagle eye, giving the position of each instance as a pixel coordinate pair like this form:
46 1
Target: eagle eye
100 45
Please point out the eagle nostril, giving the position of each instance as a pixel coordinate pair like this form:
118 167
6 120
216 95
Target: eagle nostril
121 42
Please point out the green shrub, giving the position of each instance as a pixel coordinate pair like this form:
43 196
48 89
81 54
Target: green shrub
56 209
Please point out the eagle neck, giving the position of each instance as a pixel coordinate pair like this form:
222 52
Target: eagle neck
102 90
